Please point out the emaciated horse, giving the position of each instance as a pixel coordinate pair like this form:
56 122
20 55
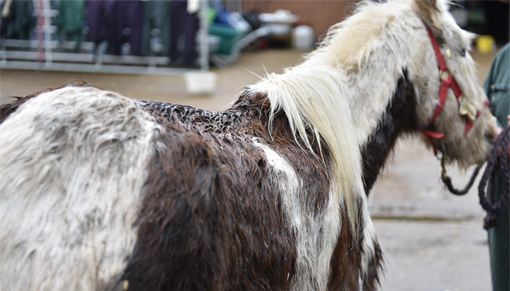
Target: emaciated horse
102 192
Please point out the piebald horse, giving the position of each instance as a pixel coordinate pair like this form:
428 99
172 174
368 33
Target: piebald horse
102 192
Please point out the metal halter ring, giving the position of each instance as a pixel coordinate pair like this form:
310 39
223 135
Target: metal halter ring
445 74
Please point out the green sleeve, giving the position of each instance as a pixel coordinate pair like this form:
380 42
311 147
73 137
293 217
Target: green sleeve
487 89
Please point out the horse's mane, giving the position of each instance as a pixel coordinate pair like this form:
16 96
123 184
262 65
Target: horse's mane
326 111
348 42
325 114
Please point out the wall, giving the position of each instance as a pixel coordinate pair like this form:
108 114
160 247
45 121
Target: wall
319 14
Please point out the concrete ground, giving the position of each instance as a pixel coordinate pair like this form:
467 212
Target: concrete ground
431 239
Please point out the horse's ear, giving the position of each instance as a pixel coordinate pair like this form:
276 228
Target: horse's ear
427 10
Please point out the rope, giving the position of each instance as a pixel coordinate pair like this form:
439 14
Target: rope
448 182
498 156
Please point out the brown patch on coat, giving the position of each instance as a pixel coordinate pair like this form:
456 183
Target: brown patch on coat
210 218
346 260
346 267
184 222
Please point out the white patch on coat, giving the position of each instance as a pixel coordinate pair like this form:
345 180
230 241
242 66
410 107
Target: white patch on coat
73 163
316 235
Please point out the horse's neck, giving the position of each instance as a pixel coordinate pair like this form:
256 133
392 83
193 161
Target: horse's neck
371 91
383 106
383 102
398 118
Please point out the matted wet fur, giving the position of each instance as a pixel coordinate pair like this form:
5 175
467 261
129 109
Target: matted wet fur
103 192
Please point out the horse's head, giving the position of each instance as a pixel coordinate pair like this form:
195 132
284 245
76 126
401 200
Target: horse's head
465 120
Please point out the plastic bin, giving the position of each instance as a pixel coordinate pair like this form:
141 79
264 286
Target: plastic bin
200 83
302 38
485 44
228 37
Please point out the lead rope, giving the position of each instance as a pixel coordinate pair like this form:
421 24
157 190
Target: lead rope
498 155
448 182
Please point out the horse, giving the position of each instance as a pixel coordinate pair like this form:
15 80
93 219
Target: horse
102 192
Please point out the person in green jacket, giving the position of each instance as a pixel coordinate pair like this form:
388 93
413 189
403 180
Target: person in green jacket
497 88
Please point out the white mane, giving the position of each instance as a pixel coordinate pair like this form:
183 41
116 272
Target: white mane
348 98
341 90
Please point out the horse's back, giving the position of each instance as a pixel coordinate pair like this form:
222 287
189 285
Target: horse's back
97 192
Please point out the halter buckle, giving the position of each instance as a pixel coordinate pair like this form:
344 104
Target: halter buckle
445 74
443 166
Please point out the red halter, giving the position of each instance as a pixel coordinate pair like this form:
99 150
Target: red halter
447 82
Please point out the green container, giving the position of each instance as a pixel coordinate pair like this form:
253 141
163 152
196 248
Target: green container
228 37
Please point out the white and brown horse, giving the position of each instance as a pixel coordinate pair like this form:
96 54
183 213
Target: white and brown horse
102 192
